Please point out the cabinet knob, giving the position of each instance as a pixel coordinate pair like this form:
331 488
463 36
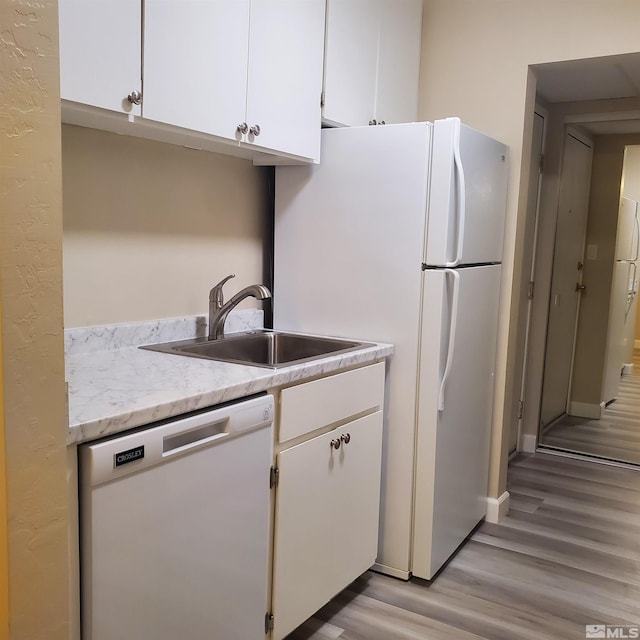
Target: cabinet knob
346 438
373 122
255 130
335 443
382 122
135 97
243 127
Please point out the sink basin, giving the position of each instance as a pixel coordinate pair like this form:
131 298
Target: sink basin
261 348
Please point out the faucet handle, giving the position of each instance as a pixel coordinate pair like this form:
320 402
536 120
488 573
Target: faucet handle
215 295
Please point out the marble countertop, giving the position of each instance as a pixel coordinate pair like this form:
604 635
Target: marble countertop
114 385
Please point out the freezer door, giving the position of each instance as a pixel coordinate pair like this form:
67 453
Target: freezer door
467 198
457 359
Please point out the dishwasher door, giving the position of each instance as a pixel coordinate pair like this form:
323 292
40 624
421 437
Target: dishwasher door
175 528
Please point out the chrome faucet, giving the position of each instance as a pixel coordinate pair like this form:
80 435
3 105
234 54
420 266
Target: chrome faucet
219 310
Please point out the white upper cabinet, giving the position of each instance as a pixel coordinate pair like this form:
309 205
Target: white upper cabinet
285 76
195 64
351 59
399 61
372 60
234 76
100 53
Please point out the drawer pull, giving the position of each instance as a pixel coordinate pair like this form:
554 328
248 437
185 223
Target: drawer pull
335 443
346 438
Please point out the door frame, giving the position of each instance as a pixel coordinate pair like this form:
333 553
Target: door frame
542 112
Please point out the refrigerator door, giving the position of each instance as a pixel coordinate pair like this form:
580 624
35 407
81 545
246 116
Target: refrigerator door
457 360
348 247
467 199
627 237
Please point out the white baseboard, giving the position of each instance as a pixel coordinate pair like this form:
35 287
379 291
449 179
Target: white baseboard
528 443
497 508
586 410
627 369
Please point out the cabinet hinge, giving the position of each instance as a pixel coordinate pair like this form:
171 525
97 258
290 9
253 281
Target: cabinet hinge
520 410
530 293
322 98
268 622
274 475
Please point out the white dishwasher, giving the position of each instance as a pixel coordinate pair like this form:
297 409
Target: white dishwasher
175 528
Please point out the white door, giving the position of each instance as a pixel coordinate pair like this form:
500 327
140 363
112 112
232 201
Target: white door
528 268
100 52
351 54
568 253
468 196
455 400
326 522
285 75
195 64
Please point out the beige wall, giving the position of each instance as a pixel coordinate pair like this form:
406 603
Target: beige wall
604 202
149 227
475 57
33 391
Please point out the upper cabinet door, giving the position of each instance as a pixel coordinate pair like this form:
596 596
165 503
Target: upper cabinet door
285 75
195 64
372 61
399 61
100 52
351 53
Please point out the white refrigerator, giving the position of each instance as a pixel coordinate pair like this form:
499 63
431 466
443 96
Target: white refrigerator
397 236
623 304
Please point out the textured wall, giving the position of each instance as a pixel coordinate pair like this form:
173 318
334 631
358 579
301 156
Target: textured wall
474 64
31 307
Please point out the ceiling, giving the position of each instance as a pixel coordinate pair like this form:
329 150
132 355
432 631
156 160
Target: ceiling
604 78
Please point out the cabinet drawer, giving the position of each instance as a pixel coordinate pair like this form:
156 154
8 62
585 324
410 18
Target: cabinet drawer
313 405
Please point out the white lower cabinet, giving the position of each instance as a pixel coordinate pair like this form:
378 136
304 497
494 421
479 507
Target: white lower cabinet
327 509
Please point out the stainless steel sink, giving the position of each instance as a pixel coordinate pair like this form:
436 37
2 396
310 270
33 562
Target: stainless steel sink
260 348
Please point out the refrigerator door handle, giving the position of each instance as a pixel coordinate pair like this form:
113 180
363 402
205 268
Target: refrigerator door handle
460 200
452 334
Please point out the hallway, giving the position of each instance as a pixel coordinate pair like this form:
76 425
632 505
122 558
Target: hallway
567 555
615 436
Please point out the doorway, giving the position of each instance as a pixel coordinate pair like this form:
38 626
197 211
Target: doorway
609 116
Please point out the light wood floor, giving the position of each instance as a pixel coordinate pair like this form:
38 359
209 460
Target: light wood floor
615 436
567 555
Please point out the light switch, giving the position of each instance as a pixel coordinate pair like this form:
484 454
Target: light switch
592 251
